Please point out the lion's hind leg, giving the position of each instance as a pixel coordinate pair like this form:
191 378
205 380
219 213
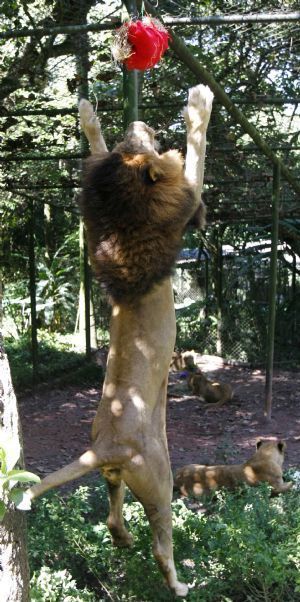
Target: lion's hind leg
115 522
151 483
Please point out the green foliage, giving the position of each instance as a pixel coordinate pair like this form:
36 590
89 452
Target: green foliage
235 547
56 293
11 476
56 586
57 359
194 330
57 287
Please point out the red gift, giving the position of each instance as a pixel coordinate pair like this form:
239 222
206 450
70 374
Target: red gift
140 44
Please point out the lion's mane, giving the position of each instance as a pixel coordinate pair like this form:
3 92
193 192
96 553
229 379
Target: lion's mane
135 208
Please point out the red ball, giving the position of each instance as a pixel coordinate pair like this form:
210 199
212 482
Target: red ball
148 44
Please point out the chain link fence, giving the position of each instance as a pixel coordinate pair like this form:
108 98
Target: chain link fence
236 326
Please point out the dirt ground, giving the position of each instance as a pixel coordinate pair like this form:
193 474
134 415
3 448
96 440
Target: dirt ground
56 423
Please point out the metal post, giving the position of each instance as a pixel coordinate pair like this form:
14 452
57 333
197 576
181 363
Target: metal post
219 282
87 303
130 97
214 20
32 290
206 287
130 81
82 63
272 292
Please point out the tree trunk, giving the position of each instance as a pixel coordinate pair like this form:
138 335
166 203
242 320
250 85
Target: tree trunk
14 571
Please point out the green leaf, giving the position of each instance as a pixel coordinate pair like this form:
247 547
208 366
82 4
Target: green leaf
21 499
23 476
9 453
2 510
3 460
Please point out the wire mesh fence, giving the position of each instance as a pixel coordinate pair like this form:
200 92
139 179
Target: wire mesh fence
40 150
237 330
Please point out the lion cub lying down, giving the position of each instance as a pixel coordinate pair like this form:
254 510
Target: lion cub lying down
216 394
264 465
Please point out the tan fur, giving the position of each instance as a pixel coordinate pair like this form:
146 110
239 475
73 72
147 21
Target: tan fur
129 443
264 465
215 393
183 361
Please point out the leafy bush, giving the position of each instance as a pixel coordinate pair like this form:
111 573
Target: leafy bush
11 475
235 547
56 358
194 331
55 586
57 286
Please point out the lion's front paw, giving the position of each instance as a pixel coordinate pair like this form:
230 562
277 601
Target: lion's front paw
86 111
198 110
201 97
88 119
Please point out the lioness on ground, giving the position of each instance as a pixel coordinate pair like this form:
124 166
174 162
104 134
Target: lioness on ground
184 361
136 205
264 465
215 393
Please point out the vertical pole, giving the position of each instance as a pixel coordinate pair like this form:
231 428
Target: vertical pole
294 277
130 82
206 286
294 306
272 292
47 234
1 304
82 288
87 302
219 291
82 62
130 97
32 291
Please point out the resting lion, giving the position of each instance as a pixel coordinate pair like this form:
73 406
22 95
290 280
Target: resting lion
264 465
216 394
184 361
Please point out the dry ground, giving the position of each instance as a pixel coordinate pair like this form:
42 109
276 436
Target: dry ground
56 423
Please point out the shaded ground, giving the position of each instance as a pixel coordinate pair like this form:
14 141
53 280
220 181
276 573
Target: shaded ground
56 424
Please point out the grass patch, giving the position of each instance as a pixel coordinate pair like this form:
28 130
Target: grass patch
243 548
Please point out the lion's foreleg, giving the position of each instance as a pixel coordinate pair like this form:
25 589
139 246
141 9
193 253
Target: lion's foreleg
196 115
91 127
216 405
279 486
